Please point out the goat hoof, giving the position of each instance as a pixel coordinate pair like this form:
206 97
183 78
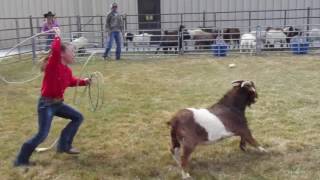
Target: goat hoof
186 176
244 149
176 156
263 150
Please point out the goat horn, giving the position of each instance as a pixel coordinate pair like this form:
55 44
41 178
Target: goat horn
245 83
236 82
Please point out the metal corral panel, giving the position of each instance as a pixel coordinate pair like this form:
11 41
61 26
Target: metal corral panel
36 8
212 18
195 6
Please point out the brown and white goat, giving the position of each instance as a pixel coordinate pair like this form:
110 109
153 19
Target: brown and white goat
191 127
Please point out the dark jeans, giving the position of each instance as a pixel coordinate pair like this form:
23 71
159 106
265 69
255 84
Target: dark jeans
115 35
50 38
46 111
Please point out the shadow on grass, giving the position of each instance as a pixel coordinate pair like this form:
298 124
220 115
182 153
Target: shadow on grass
229 163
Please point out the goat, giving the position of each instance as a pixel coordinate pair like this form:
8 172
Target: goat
191 127
173 39
291 32
272 28
232 36
275 35
248 43
314 35
139 40
260 35
203 39
80 45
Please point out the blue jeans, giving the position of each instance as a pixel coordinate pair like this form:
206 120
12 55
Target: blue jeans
46 112
114 35
50 38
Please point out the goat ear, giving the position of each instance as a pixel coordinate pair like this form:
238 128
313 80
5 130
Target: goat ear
249 83
237 82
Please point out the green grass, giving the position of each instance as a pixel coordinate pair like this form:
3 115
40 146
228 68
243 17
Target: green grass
129 139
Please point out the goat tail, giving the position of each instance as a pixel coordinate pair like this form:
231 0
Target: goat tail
174 135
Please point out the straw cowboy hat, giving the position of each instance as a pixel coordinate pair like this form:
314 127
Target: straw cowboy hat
49 14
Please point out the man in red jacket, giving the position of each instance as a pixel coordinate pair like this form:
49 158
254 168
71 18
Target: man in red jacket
57 77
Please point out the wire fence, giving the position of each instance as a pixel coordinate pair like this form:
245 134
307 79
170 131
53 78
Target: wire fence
151 37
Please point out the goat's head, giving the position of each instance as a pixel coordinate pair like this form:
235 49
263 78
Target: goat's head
268 28
290 31
248 88
184 32
186 35
181 27
129 36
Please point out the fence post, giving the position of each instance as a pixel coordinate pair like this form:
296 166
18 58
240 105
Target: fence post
258 40
308 18
18 35
125 22
215 19
181 35
181 40
285 17
38 30
78 23
33 41
70 27
249 21
102 30
204 19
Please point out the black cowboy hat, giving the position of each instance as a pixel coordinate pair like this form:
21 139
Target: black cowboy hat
49 14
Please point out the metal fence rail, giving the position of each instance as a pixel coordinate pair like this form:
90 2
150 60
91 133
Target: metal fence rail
14 30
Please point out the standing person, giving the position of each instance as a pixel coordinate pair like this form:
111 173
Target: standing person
114 27
49 23
57 77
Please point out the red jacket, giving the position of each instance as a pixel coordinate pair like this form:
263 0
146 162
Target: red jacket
57 76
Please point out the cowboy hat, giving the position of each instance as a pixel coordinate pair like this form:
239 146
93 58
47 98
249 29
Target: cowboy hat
49 14
113 5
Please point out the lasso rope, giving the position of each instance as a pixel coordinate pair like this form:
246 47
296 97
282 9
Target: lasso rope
96 78
97 82
80 76
17 45
99 101
20 82
7 55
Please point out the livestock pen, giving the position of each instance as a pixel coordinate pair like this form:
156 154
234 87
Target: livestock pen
304 22
128 138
